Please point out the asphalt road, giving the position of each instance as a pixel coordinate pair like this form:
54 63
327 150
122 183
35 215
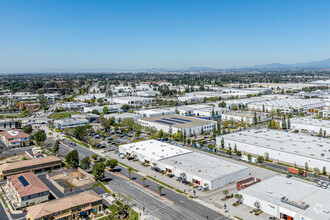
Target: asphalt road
181 208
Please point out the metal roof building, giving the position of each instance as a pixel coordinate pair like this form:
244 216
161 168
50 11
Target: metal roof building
289 199
282 146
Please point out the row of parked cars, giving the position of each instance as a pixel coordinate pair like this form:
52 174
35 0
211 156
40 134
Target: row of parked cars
323 184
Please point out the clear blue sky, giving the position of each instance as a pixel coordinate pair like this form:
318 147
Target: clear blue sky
77 35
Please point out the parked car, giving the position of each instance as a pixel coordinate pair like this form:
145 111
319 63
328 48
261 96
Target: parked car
171 175
288 176
178 178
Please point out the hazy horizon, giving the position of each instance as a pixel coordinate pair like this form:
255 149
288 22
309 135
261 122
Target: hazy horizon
91 36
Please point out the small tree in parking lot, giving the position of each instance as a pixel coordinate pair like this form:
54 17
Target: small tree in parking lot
160 190
257 205
260 159
183 175
226 192
112 163
73 158
98 171
56 146
95 156
85 163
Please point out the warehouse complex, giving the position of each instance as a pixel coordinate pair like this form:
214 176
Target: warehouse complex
310 125
203 169
244 116
282 146
155 112
178 123
151 151
198 168
288 105
289 199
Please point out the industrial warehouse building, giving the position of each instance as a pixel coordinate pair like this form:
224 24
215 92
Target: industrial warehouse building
151 151
155 112
199 168
244 116
178 123
290 148
310 125
288 105
288 199
133 100
122 116
203 169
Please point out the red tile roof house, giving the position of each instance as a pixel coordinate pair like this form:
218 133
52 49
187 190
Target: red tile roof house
15 138
26 189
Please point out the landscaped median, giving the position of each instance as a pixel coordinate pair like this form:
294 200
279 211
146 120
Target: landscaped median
77 142
168 186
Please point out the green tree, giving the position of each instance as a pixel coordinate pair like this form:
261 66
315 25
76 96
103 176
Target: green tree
56 146
85 163
324 170
222 105
129 171
143 180
105 109
249 157
112 163
98 171
260 159
222 143
226 192
99 100
73 158
160 190
39 137
95 156
96 112
28 129
80 132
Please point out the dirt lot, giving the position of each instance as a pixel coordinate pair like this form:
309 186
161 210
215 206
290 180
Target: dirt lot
72 179
13 159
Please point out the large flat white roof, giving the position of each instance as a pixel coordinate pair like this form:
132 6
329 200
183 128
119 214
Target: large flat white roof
202 165
290 103
311 121
299 144
154 149
275 188
178 121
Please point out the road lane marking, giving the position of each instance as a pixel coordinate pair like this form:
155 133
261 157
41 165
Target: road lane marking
118 174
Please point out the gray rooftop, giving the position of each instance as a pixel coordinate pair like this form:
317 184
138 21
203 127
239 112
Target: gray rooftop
275 188
178 121
311 121
291 103
299 144
202 165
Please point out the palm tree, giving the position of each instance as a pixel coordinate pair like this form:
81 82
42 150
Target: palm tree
160 190
257 205
226 192
143 179
129 171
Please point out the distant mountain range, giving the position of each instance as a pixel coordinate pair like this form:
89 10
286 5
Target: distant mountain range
322 64
314 64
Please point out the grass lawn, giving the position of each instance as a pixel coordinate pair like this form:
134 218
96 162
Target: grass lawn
133 215
61 115
113 208
11 116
